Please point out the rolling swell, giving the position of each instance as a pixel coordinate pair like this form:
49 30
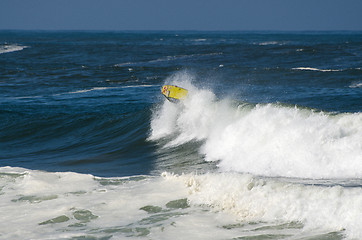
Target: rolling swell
65 137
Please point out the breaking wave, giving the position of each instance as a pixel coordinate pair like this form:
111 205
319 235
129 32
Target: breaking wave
11 48
262 139
316 69
356 85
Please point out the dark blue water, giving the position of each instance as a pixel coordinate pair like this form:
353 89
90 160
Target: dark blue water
84 101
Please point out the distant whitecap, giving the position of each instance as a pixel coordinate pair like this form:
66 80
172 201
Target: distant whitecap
11 48
316 69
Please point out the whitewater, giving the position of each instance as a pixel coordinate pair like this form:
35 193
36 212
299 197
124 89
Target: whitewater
43 205
283 171
8 48
267 144
264 139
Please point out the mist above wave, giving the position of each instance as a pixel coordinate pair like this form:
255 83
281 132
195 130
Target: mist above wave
263 139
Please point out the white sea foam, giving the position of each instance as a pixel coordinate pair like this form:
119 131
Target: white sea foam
91 89
252 199
139 86
268 43
42 205
271 43
316 69
199 40
269 140
27 97
11 48
356 85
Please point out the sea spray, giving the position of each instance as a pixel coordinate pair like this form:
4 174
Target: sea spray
86 102
267 139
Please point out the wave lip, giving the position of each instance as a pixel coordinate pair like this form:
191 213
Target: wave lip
11 48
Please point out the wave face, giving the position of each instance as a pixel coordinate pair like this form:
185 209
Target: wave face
264 139
77 131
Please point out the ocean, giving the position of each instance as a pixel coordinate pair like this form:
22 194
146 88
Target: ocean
267 144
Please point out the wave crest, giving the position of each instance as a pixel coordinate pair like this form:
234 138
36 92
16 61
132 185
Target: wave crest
270 140
11 48
316 69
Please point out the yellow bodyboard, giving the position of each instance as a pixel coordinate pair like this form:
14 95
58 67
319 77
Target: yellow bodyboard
174 93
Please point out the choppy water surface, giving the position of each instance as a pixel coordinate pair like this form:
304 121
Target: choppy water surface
267 145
